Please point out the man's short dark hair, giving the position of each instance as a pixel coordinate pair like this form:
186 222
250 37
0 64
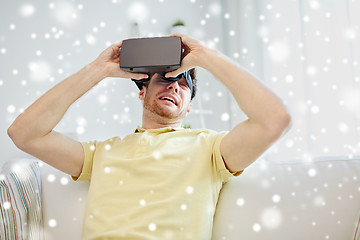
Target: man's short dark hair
194 81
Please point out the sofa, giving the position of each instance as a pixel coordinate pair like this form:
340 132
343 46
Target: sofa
287 200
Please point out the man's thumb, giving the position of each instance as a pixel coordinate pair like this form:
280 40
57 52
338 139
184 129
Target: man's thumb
174 73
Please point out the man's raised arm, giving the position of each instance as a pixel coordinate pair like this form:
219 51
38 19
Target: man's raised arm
268 118
32 131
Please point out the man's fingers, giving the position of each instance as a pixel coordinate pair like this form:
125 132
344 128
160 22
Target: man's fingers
176 35
185 65
118 44
176 72
137 76
185 39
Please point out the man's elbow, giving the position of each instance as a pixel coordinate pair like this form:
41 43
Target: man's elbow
11 132
283 125
15 136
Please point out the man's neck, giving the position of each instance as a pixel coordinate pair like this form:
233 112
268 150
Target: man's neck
149 121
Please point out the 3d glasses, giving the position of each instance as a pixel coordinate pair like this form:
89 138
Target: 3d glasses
186 75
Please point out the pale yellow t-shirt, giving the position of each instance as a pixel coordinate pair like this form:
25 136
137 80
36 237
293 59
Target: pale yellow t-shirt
153 184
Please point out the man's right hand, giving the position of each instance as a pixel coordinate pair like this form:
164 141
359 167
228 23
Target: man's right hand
109 61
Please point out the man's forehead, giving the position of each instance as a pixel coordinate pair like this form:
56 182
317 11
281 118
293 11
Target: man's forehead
156 75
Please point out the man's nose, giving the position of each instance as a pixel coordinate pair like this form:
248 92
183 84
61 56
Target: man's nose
174 85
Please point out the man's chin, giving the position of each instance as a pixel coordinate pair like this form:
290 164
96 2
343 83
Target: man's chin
165 111
168 113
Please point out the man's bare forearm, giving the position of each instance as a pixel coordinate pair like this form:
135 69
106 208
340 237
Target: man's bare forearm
45 113
258 102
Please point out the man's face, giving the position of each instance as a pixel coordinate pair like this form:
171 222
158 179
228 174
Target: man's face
169 99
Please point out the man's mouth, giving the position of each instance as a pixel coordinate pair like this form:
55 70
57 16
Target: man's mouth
169 99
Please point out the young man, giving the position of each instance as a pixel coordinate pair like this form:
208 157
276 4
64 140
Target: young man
162 181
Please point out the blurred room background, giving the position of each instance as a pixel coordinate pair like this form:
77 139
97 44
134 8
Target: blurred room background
307 52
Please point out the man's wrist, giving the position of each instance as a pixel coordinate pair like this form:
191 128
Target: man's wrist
99 71
206 57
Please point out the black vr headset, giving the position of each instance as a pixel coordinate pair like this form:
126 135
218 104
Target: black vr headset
153 55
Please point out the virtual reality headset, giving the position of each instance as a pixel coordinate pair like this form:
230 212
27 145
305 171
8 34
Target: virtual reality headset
152 55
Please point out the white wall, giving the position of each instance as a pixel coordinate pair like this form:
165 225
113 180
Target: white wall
42 42
307 52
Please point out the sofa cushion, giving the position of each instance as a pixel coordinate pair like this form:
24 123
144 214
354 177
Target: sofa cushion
20 200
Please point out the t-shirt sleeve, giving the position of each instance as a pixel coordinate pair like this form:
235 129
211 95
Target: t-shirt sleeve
219 163
89 152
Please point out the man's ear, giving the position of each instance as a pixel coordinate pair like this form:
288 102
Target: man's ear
142 93
188 110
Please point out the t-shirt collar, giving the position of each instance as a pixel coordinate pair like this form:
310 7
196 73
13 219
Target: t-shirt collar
157 130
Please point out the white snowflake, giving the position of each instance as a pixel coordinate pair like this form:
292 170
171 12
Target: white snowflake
152 227
52 223
27 10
